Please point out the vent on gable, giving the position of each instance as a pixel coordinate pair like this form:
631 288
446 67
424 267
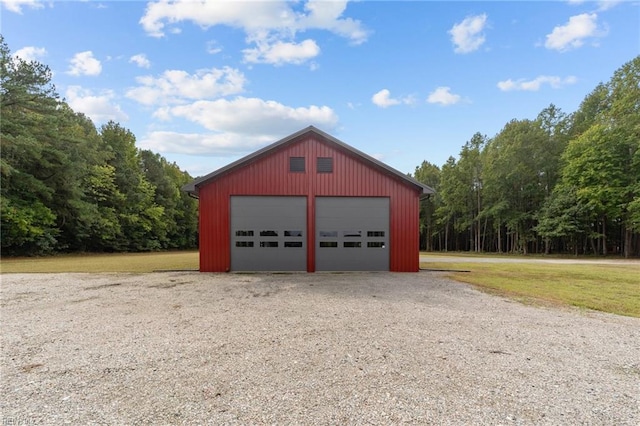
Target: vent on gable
325 164
296 164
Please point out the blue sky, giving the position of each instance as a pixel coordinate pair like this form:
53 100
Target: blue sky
204 83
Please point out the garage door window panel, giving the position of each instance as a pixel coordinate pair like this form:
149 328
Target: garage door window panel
375 233
328 244
328 234
244 243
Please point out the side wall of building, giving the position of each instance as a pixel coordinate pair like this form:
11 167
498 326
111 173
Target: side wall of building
270 175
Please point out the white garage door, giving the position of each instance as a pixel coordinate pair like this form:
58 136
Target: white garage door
268 233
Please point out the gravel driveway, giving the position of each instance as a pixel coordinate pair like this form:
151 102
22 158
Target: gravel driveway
354 348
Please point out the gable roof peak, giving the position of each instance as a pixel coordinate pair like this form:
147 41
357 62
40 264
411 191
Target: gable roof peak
192 187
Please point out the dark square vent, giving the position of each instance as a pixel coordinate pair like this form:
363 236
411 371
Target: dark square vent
296 164
325 164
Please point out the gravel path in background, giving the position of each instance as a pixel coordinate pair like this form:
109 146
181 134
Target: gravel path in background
498 259
355 348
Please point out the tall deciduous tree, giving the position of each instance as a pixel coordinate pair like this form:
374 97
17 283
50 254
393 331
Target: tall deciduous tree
139 216
514 170
601 163
180 211
624 117
460 190
594 168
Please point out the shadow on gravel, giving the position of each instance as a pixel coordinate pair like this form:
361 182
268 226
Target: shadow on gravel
423 285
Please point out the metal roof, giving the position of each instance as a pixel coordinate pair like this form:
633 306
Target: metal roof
192 187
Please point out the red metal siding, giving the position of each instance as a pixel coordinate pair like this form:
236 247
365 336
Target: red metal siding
270 175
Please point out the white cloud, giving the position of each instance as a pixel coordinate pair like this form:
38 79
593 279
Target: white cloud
17 5
281 52
254 116
247 15
213 47
535 84
608 4
602 4
162 113
237 126
443 96
326 15
84 63
467 36
140 60
100 108
276 15
270 26
214 144
573 34
175 86
383 99
30 53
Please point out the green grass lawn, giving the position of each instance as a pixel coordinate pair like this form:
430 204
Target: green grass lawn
120 262
607 288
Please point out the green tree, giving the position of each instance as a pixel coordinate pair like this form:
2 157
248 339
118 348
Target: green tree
470 172
180 211
555 125
590 109
594 168
447 210
514 170
428 174
460 192
67 187
602 162
624 118
139 216
563 218
103 229
28 101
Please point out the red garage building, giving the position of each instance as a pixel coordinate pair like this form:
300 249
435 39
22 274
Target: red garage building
308 202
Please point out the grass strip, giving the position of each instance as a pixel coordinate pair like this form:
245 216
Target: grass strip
116 262
607 288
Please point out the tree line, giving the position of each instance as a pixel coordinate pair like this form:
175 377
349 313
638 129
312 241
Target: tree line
70 187
561 183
